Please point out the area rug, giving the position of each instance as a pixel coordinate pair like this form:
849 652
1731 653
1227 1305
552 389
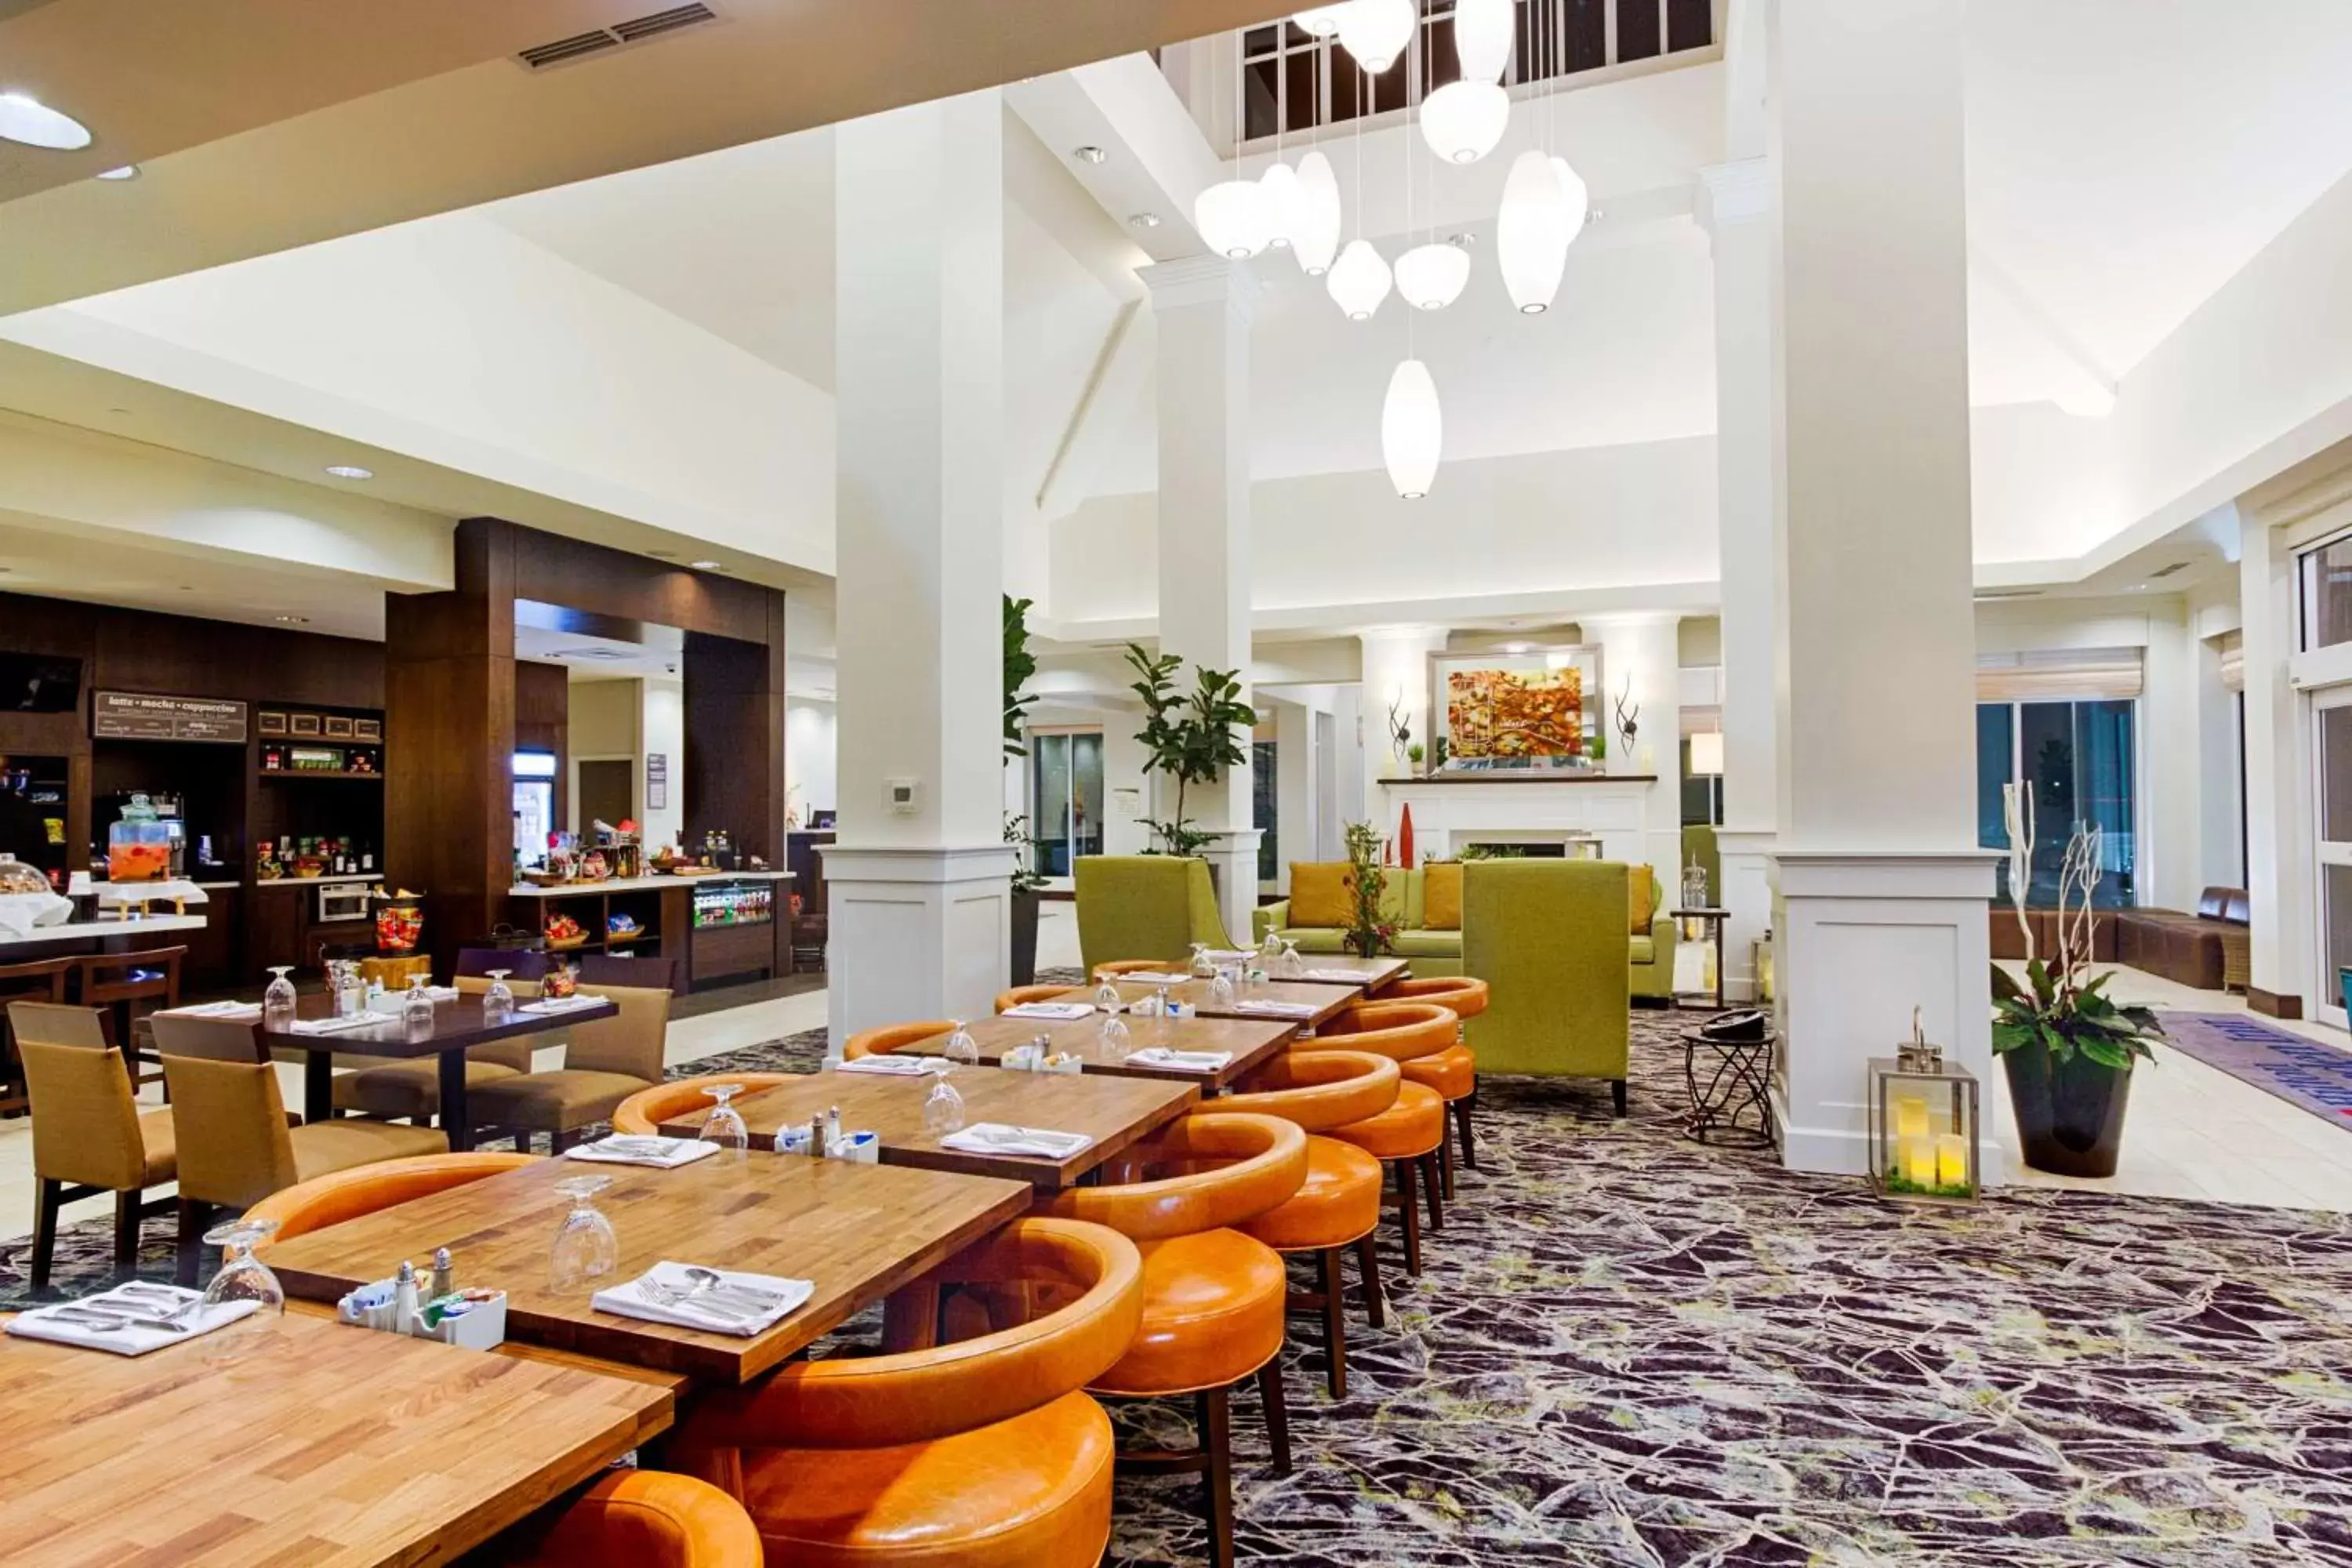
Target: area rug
1628 1349
2301 1072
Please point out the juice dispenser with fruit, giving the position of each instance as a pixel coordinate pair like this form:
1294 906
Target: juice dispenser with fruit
139 847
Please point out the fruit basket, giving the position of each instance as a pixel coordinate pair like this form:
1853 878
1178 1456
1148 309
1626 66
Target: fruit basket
564 932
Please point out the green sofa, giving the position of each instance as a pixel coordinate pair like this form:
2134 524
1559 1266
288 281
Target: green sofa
1541 933
1649 962
1144 906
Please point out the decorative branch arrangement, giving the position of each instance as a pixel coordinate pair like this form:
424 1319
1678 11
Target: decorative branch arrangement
1400 727
2059 1010
1191 736
1629 713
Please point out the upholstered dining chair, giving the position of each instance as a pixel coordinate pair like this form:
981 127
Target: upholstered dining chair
984 1450
1410 1136
120 984
235 1147
1144 906
44 981
649 1519
1551 938
411 1090
1452 1073
881 1041
1009 999
1339 1205
89 1133
605 1061
1213 1298
642 1114
361 1190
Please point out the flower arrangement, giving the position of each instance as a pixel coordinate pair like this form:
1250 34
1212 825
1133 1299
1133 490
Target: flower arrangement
1367 933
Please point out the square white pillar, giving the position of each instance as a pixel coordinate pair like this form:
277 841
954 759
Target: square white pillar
1641 662
919 876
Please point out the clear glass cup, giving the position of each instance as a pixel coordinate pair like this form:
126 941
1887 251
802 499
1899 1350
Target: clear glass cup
1269 950
350 995
724 1125
961 1049
498 1000
277 1000
1202 967
1106 997
943 1106
1113 1038
242 1277
1289 965
1221 990
587 1251
417 1007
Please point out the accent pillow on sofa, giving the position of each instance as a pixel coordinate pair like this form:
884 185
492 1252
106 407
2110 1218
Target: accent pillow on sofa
1441 896
1645 898
1322 893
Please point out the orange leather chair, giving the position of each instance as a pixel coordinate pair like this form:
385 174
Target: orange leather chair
1410 1136
1452 1073
1008 1000
982 1453
339 1195
888 1038
642 1113
645 1519
1339 1205
1213 1298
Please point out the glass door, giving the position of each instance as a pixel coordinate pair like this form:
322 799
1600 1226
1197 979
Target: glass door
2331 794
1066 797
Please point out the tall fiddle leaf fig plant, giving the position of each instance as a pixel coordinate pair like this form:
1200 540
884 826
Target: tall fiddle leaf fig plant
1020 666
1191 736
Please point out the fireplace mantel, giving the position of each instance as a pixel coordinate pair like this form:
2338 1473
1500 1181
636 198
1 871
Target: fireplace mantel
1415 781
1450 813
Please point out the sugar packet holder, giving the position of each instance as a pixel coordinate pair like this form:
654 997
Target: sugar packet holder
857 1148
470 1320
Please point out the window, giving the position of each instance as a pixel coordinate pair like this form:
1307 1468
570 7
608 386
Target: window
2080 759
1065 789
2326 595
1294 82
1702 794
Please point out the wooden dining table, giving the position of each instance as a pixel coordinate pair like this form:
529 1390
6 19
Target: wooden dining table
1250 1042
856 1232
1115 1112
1322 1001
456 1026
1373 975
319 1444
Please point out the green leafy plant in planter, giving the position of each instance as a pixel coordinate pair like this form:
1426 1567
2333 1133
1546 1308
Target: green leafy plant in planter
1020 666
1191 736
1369 934
2068 1050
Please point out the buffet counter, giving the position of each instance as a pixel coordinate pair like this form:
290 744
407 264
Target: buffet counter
722 926
94 936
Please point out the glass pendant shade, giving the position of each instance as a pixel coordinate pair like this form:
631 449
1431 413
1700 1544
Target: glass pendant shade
1319 21
1463 119
1358 280
1284 204
1233 218
1573 192
1531 233
1375 32
1412 430
1316 239
1431 276
1482 37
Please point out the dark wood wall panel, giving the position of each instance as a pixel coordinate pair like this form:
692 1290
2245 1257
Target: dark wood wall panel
556 569
543 723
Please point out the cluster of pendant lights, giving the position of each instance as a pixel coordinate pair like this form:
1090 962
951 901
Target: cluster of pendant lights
1298 209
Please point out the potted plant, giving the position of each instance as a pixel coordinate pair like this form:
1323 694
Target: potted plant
1367 933
1026 900
2069 1051
1189 736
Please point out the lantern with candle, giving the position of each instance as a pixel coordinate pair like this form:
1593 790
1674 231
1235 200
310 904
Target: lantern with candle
1923 1123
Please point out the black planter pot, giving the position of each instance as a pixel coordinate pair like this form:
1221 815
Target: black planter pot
2070 1118
1024 938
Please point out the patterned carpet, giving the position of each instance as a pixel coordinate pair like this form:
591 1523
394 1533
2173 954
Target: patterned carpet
1630 1349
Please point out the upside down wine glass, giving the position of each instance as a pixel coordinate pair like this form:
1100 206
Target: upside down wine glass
961 1049
277 1000
242 1277
586 1250
498 1000
724 1126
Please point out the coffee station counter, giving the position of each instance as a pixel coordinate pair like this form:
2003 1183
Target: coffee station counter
720 925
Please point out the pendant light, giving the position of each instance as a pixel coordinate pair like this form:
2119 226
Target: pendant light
1573 196
1319 21
1431 276
1463 121
1482 37
1358 280
1233 218
1531 233
1315 238
1412 430
1285 202
1375 32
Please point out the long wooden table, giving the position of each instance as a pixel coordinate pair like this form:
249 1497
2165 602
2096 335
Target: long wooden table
1325 1001
858 1232
1118 1112
325 1445
457 1026
1374 975
1252 1041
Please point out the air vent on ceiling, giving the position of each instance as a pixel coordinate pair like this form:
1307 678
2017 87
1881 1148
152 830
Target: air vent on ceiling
2169 571
635 30
602 653
1985 593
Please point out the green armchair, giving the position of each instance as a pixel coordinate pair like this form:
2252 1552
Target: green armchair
1550 939
1144 906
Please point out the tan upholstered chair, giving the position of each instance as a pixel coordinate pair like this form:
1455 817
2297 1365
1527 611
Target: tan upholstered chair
606 1061
89 1136
411 1090
234 1148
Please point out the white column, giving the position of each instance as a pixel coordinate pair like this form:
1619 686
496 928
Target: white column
1296 787
1395 692
1640 666
661 732
2279 853
2171 771
919 889
1203 307
1881 889
1734 203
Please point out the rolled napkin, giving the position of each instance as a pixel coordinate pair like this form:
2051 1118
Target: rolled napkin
1061 1010
737 1303
1148 978
129 1321
998 1137
338 1025
235 1012
1270 1009
1182 1061
662 1153
1338 976
562 1004
891 1065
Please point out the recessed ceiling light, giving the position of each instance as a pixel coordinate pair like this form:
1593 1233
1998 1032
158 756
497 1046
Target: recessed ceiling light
706 566
349 471
1091 155
35 124
1144 220
128 172
291 620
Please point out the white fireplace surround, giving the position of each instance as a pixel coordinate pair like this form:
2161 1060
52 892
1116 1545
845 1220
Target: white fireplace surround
1447 816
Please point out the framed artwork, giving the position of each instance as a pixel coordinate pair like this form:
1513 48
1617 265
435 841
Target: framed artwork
1532 709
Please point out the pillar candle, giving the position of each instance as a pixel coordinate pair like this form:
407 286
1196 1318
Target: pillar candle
1910 1119
1951 1161
1919 1161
